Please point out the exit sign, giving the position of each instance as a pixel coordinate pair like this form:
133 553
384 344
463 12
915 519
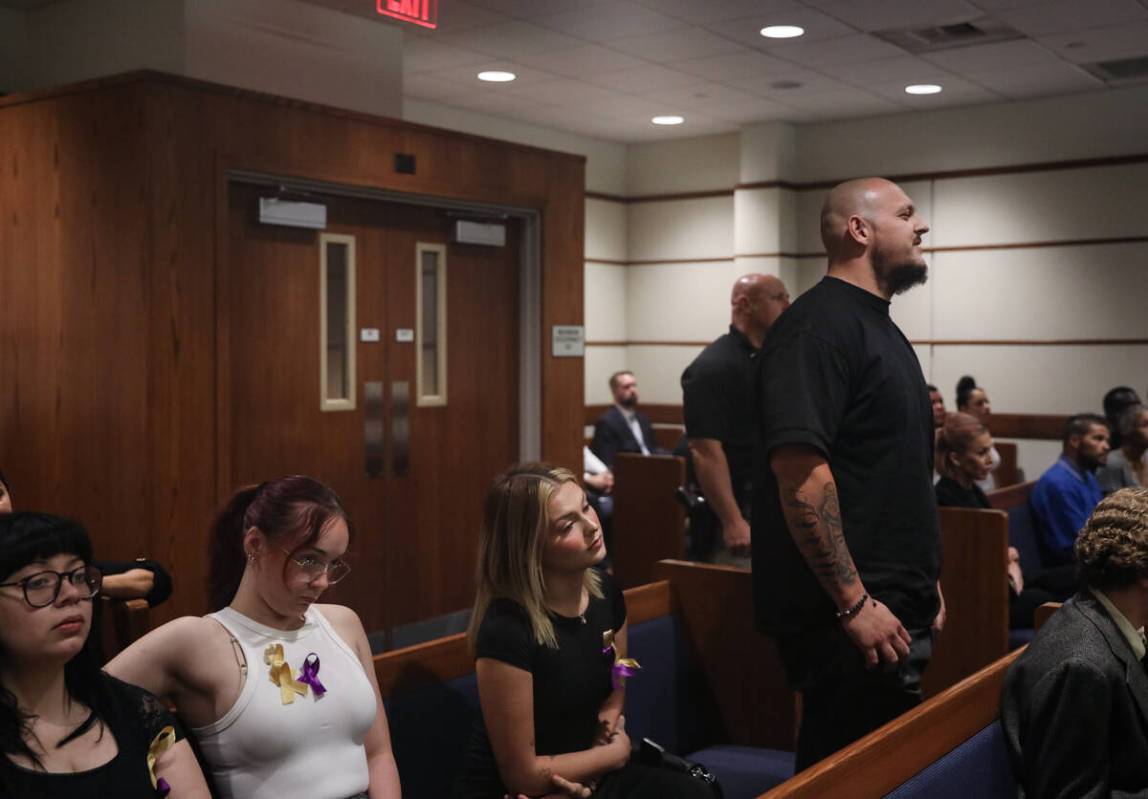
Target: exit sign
420 12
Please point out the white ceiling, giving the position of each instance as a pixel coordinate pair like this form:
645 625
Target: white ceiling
603 67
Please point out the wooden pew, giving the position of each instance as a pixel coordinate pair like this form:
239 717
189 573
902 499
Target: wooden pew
1044 613
974 582
1007 472
888 757
122 621
649 522
1013 500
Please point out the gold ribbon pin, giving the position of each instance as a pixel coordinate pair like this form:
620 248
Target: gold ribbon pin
160 744
281 674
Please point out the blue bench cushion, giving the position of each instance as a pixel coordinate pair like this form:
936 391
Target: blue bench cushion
430 728
656 696
1018 638
745 771
1022 535
979 767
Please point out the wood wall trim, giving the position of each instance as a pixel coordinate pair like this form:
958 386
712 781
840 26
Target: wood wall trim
923 342
608 261
947 174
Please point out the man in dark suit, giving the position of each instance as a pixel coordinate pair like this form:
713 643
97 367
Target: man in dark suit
1075 704
623 428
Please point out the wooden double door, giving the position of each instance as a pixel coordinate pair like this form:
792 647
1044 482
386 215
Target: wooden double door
308 390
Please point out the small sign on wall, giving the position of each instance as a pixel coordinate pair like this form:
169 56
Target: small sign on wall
369 334
404 335
568 341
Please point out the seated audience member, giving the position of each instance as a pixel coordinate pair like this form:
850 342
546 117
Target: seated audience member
1127 466
974 400
138 579
549 636
937 400
1065 495
963 449
623 428
1115 402
279 691
67 728
599 482
1075 704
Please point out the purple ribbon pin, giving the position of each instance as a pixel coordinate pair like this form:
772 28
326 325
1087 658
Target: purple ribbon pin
162 789
310 674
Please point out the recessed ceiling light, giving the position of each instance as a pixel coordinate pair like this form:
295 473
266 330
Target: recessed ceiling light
496 76
923 88
669 119
782 31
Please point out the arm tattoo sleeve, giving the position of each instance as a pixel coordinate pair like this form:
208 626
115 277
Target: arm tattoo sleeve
815 524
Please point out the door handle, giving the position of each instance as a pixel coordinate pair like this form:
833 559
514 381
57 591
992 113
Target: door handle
373 427
400 427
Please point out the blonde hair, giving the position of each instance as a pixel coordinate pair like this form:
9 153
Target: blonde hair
1112 549
515 524
954 438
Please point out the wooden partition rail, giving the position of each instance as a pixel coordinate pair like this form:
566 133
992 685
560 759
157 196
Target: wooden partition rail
1011 496
1044 613
749 701
889 756
974 582
649 523
1007 472
122 621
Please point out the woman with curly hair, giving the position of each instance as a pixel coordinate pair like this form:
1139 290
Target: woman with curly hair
1075 704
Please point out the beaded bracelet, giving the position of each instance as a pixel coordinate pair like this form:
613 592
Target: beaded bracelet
850 612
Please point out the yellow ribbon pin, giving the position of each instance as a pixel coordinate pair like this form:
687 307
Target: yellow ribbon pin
281 674
160 744
622 667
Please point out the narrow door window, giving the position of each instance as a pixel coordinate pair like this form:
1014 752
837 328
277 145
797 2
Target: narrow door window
430 337
336 322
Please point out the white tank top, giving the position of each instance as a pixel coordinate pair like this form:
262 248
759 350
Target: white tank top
311 748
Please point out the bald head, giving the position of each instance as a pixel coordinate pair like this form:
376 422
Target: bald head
755 303
859 198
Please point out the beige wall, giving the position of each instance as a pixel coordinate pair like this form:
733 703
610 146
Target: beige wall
979 291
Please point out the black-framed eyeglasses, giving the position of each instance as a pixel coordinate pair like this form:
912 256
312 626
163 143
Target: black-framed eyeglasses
313 568
43 588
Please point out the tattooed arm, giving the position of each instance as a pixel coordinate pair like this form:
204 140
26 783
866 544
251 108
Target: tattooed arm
813 516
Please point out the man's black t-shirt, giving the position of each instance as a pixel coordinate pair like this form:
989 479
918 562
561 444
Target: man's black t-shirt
838 375
717 402
570 682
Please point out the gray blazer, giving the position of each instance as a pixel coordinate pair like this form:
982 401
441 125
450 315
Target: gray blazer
1116 473
1075 709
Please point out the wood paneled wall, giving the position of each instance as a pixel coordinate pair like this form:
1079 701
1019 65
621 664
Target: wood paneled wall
112 197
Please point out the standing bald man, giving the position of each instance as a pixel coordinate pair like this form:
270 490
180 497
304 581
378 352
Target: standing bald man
846 543
721 420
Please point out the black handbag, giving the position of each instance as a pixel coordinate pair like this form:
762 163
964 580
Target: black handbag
652 754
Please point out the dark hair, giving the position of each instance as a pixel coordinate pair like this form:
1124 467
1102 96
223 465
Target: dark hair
965 388
25 538
931 388
294 507
614 378
1079 424
1117 399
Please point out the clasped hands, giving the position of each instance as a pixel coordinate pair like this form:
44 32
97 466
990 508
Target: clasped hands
613 736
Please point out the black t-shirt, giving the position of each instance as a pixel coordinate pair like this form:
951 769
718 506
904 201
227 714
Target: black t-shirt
570 682
951 494
838 375
717 401
134 718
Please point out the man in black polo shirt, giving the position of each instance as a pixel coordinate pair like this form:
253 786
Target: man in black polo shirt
846 550
721 420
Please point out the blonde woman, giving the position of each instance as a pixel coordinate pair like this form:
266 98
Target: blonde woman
548 633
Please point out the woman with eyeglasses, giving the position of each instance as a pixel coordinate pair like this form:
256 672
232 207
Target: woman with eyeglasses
66 728
279 691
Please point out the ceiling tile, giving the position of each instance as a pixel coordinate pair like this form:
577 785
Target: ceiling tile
525 9
1100 44
676 45
707 98
511 39
565 91
780 87
576 62
875 15
748 29
851 49
985 57
644 79
1068 16
909 69
1005 5
956 91
719 10
616 20
841 104
1037 79
743 64
467 78
457 15
427 55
